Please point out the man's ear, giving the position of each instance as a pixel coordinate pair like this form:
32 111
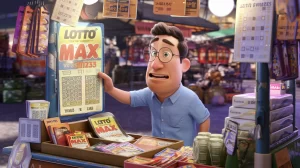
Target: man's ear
186 64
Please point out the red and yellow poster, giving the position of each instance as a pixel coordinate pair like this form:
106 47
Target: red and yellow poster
80 56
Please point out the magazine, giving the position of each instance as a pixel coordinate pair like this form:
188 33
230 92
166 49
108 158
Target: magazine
106 127
51 121
59 132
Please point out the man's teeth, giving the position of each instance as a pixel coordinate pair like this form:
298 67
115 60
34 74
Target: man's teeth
159 76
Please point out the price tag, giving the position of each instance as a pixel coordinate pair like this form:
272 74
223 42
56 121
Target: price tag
192 8
230 140
169 7
67 11
123 8
110 8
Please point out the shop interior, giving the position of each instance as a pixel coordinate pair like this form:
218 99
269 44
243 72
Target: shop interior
215 76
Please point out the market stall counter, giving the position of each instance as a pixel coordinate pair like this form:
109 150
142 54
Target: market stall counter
42 160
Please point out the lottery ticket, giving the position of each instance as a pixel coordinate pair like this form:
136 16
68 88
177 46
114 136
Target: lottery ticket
80 58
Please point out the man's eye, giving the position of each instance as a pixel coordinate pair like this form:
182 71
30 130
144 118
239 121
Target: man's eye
167 54
153 53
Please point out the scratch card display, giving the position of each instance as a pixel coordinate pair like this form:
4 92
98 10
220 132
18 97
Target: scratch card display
80 57
43 32
30 130
31 33
18 28
77 140
285 60
253 31
106 127
25 30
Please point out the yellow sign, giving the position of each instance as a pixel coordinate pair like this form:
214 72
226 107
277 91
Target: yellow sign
80 59
177 7
120 9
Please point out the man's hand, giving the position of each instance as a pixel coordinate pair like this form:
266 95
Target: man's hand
108 84
121 95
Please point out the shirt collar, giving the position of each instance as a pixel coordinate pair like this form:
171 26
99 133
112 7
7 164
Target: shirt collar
174 96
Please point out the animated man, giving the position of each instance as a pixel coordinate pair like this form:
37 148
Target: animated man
175 109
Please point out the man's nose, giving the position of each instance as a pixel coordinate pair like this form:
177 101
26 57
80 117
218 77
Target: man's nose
157 64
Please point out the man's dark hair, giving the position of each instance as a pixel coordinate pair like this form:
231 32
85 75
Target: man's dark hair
163 29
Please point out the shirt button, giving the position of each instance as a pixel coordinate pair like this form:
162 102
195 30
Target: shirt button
162 132
162 107
162 120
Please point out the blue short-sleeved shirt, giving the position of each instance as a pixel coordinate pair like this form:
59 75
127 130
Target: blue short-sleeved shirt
177 117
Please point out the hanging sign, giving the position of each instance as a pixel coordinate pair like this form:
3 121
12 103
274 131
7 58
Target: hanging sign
177 7
67 11
80 56
145 28
120 9
169 7
192 8
253 31
286 30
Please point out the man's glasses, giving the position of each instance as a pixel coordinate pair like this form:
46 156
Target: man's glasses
165 54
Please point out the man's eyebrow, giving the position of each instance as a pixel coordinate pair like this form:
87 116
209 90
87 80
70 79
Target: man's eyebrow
154 40
168 42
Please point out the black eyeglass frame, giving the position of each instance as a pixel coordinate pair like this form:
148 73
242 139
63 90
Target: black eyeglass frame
157 55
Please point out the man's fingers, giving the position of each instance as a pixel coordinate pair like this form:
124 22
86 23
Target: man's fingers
102 75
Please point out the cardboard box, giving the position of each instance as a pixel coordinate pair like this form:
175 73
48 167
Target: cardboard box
278 135
249 114
249 125
244 125
44 138
248 100
95 156
100 157
177 164
282 123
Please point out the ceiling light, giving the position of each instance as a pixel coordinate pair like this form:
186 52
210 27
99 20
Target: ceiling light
89 2
221 8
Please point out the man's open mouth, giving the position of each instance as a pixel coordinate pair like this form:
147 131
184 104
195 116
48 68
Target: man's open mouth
152 75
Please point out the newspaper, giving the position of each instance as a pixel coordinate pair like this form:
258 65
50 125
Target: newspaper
80 55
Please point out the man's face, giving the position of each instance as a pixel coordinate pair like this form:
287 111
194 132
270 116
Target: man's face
164 78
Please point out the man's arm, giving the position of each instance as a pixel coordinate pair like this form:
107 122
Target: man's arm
204 127
120 95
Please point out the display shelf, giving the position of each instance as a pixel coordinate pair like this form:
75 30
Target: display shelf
55 160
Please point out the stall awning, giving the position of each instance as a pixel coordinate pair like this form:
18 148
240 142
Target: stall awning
221 33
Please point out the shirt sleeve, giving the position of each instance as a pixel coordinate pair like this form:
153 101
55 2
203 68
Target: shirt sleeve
140 97
198 111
